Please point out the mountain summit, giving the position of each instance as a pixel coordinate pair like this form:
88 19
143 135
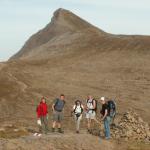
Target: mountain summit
62 22
69 33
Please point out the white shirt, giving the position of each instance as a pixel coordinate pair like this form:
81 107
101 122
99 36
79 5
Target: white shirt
90 104
78 109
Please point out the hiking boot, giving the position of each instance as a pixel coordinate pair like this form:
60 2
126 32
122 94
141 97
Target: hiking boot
46 132
107 138
60 130
53 129
77 132
89 131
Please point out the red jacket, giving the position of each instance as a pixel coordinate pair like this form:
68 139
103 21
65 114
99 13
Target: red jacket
42 110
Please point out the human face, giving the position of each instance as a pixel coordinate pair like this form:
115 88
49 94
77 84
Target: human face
89 97
78 103
62 97
43 100
102 101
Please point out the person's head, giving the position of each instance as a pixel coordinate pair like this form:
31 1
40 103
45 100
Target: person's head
89 97
43 100
77 102
102 100
62 97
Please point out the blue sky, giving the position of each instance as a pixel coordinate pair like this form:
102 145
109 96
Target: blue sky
19 19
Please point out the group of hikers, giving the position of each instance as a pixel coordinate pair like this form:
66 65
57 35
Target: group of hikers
107 111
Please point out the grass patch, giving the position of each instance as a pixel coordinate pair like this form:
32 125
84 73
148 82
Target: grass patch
138 146
13 132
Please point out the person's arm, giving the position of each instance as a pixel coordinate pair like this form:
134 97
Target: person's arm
38 112
82 107
72 110
64 106
46 108
94 104
106 112
86 108
53 107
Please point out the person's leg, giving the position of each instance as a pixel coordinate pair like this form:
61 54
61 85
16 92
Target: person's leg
54 124
107 127
55 118
78 123
42 124
93 118
40 127
75 119
89 125
59 124
60 118
45 121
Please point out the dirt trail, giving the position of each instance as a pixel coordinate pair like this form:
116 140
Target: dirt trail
56 141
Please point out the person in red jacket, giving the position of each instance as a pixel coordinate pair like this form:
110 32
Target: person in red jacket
42 115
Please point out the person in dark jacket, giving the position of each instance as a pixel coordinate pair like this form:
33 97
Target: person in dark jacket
42 115
105 117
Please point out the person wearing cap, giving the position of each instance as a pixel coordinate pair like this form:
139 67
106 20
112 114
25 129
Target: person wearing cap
105 117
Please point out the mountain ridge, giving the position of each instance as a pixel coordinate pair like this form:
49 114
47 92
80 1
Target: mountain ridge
66 31
62 22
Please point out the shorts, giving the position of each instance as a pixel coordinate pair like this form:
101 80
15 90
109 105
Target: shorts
57 116
90 115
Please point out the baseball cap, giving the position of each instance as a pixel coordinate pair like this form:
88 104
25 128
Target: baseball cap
102 98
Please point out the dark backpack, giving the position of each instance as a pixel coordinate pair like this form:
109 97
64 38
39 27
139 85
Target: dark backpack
111 108
93 103
76 106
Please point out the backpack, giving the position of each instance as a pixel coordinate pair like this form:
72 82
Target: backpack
111 108
56 104
76 106
92 104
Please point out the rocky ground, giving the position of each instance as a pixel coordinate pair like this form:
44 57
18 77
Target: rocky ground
130 129
69 141
56 141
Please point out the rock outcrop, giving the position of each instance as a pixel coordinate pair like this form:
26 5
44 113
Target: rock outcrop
132 126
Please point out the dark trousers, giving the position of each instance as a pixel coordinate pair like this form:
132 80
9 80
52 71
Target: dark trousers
44 125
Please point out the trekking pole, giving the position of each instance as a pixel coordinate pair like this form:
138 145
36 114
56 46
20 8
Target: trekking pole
67 116
98 122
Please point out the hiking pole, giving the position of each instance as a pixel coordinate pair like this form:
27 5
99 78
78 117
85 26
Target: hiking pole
98 122
67 116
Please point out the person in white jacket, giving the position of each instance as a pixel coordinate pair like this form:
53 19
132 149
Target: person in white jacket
78 109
